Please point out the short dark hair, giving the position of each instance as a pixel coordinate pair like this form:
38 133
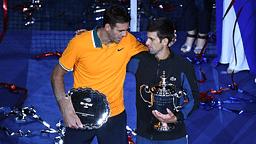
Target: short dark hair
115 14
164 28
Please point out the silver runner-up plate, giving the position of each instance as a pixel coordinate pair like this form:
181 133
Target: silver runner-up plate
91 107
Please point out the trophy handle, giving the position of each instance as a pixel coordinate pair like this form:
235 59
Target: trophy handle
180 94
147 91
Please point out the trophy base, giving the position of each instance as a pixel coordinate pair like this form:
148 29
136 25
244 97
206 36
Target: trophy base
164 127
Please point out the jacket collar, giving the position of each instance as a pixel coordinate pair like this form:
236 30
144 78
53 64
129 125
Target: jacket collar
169 57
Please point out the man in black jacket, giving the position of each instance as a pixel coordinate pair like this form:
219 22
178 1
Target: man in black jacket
148 68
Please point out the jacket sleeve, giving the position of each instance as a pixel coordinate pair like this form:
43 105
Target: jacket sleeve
133 64
189 84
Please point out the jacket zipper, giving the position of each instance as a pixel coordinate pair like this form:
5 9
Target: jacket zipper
157 73
151 122
158 66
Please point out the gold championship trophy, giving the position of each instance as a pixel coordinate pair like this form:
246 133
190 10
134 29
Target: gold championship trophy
163 96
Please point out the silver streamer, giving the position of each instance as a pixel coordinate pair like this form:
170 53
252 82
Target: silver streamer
210 104
22 116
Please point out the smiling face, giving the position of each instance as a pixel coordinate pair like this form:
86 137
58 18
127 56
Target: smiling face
115 34
154 44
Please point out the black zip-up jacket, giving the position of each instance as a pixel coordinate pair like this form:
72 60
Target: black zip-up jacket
147 70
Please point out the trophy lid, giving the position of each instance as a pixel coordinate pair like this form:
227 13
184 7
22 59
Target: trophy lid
164 89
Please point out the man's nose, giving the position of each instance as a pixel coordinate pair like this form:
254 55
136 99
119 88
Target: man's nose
147 42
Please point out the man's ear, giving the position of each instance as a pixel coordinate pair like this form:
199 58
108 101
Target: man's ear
165 41
107 27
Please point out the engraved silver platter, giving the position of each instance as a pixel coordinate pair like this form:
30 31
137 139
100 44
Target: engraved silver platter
91 107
